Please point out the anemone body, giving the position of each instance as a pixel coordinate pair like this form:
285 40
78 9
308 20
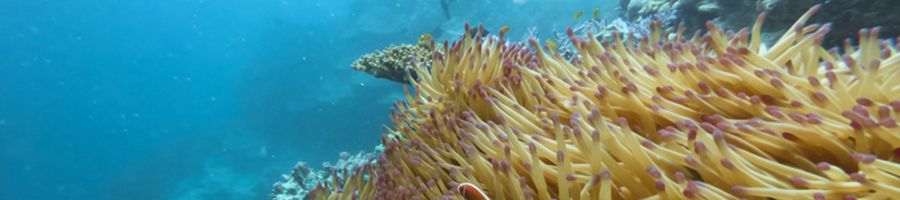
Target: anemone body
713 116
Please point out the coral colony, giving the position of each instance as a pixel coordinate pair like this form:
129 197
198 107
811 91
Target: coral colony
711 116
390 63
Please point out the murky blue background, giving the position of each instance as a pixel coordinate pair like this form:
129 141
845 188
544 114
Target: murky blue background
214 99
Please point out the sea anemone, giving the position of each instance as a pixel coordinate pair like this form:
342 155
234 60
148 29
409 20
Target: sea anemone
713 116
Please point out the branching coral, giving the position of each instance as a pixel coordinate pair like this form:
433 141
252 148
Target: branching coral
712 116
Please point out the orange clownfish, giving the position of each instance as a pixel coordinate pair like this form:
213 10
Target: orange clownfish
471 192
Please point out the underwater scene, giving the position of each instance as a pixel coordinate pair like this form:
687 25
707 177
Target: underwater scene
449 99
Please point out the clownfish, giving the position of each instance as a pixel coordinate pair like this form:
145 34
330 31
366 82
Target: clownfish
471 192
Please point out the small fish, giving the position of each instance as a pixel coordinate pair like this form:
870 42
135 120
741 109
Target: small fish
425 41
578 15
596 14
425 38
503 30
551 45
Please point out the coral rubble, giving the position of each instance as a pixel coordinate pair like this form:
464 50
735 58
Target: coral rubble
712 116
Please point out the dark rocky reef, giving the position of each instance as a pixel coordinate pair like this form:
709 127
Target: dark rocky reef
847 16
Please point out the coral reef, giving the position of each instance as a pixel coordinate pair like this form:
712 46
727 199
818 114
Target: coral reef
846 16
303 178
712 116
392 62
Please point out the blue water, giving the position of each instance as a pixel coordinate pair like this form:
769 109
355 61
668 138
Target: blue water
194 99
